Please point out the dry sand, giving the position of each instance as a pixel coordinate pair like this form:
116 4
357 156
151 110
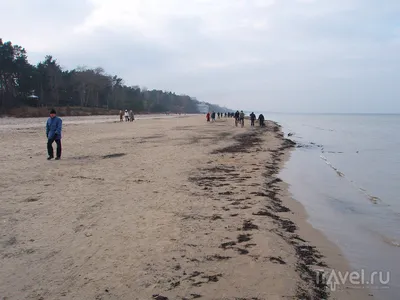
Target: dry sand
155 209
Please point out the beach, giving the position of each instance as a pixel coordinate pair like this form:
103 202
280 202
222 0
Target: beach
168 208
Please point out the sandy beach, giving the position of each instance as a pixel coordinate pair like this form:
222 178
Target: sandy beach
171 208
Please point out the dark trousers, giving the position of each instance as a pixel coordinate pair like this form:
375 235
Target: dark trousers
50 147
252 122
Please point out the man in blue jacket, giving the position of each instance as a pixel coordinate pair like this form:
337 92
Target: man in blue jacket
53 133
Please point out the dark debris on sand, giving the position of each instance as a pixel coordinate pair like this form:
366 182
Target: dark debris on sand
212 278
159 297
113 155
277 260
248 225
311 287
244 143
217 257
244 238
227 245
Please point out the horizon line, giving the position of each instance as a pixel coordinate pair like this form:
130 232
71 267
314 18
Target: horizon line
328 113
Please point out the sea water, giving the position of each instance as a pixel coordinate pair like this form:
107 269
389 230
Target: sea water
346 173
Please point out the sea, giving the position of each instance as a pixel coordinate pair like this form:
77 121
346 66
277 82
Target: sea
345 171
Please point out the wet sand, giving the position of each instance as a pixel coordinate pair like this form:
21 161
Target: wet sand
156 209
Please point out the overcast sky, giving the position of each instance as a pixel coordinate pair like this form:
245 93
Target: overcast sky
271 55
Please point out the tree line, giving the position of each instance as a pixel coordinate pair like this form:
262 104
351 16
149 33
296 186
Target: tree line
48 84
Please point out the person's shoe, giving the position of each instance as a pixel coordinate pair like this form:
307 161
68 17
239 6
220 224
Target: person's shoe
50 157
58 158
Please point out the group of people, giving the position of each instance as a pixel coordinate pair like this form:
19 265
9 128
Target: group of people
211 116
129 116
239 118
253 118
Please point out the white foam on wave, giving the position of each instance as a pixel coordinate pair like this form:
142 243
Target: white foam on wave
390 241
370 197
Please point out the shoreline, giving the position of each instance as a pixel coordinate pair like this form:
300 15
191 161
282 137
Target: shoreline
332 255
172 208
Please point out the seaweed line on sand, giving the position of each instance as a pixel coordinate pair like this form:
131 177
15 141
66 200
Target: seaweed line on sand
314 286
311 286
244 142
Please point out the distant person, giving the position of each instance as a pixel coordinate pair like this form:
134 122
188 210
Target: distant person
241 118
126 115
121 116
131 116
226 115
213 116
237 115
208 116
252 119
261 120
53 133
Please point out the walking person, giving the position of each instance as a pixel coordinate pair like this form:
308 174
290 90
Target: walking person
236 116
126 115
53 133
131 116
208 117
121 116
261 120
252 119
241 118
213 116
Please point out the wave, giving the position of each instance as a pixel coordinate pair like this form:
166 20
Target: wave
391 241
372 198
330 165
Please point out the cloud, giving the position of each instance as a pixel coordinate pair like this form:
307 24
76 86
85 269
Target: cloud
39 25
281 55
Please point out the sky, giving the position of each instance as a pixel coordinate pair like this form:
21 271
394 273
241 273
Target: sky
330 56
